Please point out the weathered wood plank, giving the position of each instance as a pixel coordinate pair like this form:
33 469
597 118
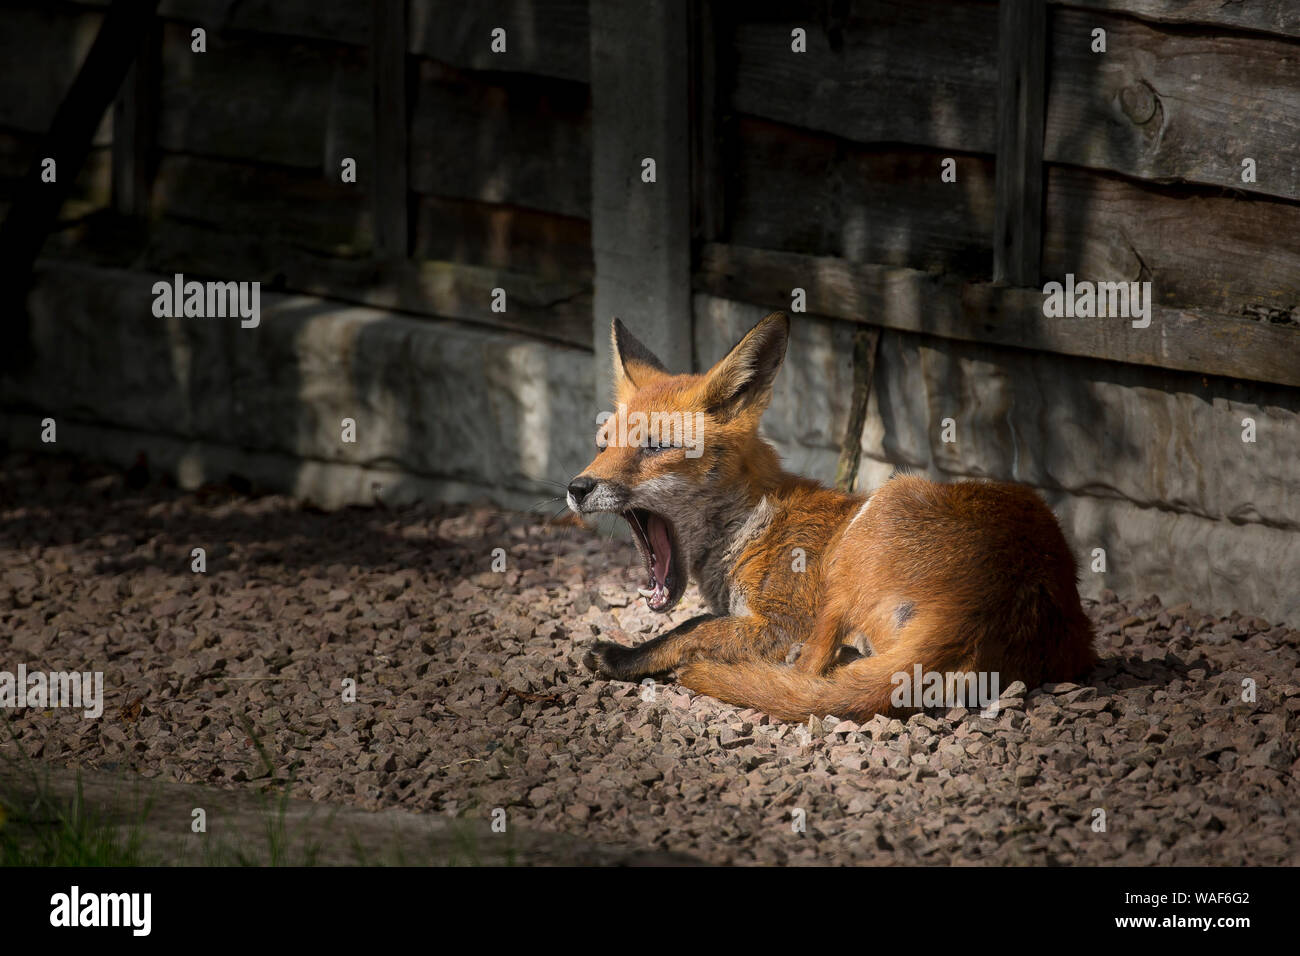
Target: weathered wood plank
905 72
339 21
135 118
543 37
509 139
269 99
530 137
554 308
944 306
1173 106
1211 252
549 309
641 231
1267 16
1018 231
390 192
275 203
807 192
1161 104
330 217
503 237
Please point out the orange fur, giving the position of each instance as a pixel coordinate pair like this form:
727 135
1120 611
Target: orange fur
971 576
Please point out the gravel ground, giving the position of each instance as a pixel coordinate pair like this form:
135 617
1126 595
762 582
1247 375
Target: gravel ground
471 696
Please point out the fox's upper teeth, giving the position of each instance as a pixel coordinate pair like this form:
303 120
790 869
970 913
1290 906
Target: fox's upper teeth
645 592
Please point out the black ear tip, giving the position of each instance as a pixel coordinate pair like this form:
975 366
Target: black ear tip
778 325
617 325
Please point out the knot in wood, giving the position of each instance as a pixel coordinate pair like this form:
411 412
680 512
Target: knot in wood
1139 101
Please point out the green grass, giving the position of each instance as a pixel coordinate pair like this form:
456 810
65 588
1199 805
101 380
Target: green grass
39 828
43 831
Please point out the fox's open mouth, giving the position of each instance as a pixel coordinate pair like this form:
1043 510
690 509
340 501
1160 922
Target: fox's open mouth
657 542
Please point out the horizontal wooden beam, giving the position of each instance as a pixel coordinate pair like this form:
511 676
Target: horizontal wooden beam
1171 106
1266 16
806 192
523 140
1162 103
885 85
338 22
540 308
550 308
810 192
543 37
948 307
1223 254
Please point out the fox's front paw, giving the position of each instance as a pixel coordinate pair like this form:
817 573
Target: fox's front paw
609 660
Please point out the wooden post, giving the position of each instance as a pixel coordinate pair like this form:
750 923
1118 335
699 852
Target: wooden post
865 343
708 155
1022 92
390 172
135 115
641 231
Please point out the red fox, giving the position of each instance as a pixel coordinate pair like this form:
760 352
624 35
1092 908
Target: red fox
939 578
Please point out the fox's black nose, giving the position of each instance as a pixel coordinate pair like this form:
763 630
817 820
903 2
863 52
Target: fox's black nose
580 487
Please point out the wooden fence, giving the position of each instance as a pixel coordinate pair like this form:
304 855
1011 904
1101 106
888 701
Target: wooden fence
1121 165
775 169
469 179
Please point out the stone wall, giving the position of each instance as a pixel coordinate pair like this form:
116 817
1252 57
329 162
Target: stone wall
443 411
1148 465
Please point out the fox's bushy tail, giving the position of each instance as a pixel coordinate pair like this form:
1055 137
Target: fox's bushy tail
856 691
1040 636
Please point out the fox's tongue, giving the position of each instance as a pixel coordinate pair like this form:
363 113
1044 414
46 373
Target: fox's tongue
659 541
661 550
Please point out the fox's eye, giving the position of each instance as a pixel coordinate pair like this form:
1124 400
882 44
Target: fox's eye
656 449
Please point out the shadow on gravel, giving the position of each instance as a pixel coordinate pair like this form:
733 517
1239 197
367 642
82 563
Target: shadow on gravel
58 817
104 515
1133 670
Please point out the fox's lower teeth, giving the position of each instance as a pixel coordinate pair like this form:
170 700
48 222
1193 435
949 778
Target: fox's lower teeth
655 595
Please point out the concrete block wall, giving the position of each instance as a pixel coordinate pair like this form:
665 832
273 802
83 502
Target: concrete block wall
1148 465
444 411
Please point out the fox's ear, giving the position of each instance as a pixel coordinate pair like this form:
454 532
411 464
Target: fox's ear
743 380
634 364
